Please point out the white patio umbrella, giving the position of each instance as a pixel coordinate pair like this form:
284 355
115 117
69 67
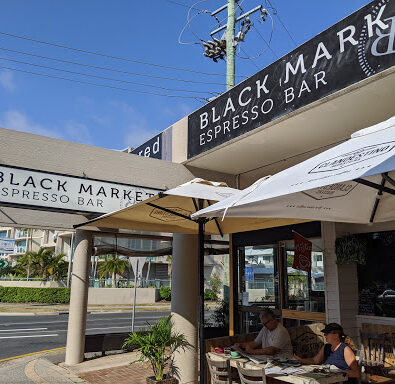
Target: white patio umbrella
351 182
170 211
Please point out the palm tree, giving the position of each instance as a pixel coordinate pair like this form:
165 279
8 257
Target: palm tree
113 265
58 266
44 262
28 261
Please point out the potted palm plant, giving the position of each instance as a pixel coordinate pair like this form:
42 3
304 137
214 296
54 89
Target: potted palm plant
157 344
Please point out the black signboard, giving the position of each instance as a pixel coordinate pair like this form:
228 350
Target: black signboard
367 302
355 48
151 148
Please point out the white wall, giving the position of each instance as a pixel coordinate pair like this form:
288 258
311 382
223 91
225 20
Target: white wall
32 284
101 296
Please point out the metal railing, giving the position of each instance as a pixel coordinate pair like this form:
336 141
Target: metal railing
13 278
129 283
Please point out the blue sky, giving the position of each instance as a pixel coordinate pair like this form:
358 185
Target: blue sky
136 30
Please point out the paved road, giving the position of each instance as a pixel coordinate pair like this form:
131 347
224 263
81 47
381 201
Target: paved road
25 334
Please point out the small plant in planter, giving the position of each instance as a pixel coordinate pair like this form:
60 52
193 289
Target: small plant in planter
157 345
351 249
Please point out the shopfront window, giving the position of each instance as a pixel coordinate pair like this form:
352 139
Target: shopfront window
376 279
304 291
260 274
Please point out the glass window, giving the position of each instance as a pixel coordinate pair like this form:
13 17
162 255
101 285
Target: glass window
376 279
304 291
3 234
259 277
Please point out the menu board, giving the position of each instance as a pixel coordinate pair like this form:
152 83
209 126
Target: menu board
367 302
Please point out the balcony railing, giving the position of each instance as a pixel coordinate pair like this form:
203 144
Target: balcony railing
20 234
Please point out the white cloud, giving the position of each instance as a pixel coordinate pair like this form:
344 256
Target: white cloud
67 130
18 121
7 80
137 135
135 124
77 132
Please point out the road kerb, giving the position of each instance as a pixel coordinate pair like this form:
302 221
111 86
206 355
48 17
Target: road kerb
31 354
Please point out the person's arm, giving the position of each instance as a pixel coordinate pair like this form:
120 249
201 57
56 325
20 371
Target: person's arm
247 344
254 350
351 361
317 359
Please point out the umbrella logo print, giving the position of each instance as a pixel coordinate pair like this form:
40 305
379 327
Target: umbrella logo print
331 191
158 214
354 157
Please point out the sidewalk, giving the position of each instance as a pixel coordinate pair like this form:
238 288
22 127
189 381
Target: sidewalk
110 369
48 368
26 309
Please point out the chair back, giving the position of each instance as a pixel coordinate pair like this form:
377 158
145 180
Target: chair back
245 374
220 371
373 353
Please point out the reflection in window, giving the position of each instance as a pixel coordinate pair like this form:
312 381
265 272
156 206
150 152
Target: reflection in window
260 273
297 281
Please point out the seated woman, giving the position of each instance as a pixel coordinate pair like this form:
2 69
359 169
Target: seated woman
335 352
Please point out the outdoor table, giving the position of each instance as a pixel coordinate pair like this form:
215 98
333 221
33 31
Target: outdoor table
305 377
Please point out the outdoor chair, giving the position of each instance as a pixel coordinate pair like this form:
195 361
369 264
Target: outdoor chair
249 376
391 372
372 358
220 371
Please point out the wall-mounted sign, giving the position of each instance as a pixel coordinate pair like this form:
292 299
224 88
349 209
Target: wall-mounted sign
357 47
159 147
7 245
50 191
151 148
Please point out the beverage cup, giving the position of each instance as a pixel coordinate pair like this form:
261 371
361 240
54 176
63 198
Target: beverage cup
326 368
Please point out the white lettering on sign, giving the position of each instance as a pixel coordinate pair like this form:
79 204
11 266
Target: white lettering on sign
52 191
149 150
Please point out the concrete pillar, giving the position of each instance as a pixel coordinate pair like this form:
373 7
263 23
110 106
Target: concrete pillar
341 283
184 302
331 277
79 298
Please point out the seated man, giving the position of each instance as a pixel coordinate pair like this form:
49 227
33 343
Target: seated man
273 339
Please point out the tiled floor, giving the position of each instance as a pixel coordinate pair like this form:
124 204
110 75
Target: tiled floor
128 374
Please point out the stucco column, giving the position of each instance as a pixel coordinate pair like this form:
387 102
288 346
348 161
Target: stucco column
78 298
184 302
341 283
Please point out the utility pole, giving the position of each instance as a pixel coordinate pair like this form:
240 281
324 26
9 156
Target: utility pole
230 46
226 45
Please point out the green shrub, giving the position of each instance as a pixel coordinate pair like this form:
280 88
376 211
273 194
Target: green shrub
210 295
165 293
215 285
34 295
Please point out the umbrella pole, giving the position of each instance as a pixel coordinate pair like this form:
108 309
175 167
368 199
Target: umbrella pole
201 302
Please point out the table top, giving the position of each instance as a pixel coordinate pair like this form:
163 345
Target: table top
304 376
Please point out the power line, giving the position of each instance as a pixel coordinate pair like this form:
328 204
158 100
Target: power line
107 68
279 19
105 78
107 55
268 45
104 85
249 58
182 5
264 40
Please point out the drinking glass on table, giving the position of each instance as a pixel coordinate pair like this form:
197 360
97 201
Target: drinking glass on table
326 368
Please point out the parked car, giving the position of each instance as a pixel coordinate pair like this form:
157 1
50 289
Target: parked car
387 302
